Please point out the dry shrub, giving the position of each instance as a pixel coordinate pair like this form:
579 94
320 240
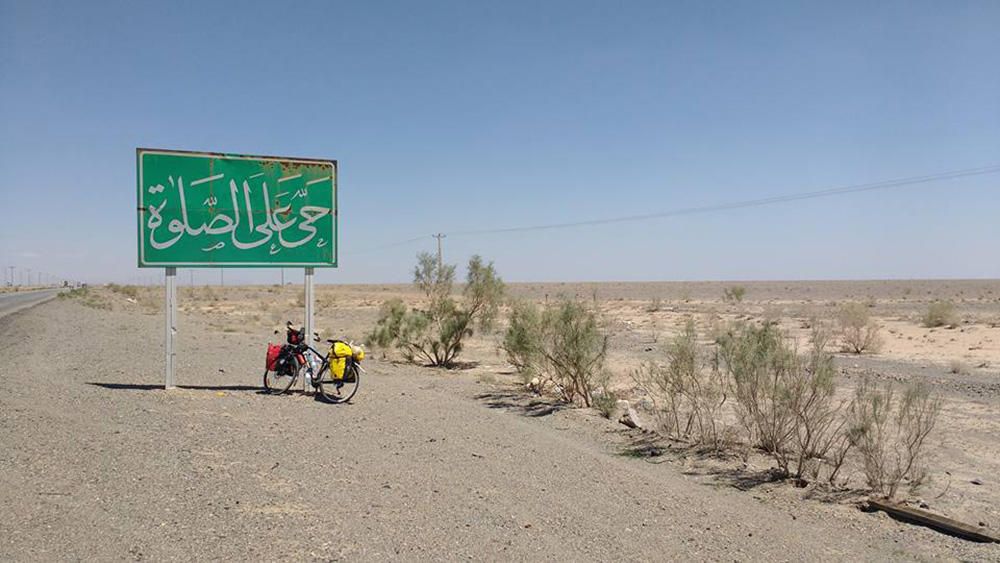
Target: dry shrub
326 301
655 305
940 313
87 298
760 365
207 293
687 393
734 294
819 425
564 344
784 401
891 432
130 291
859 333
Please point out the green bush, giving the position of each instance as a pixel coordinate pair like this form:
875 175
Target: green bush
734 294
564 344
522 340
435 334
389 324
87 298
784 400
760 365
75 293
859 333
574 348
940 313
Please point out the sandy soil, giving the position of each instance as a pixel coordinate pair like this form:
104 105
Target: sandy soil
98 463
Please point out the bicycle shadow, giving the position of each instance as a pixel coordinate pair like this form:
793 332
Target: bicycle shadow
159 387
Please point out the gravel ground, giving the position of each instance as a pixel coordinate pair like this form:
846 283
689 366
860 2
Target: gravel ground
96 462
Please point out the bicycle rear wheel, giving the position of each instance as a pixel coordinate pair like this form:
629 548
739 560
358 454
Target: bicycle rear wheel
276 382
340 390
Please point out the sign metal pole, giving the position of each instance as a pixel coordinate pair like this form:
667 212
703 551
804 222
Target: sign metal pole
310 302
170 325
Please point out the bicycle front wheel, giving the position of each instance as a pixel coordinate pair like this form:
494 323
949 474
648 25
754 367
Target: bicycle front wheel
340 390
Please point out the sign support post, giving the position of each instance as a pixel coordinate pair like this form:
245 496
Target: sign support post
310 301
170 325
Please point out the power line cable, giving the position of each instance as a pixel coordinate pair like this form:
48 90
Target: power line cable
828 192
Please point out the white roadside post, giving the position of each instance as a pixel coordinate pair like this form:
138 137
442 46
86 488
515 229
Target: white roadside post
310 300
170 325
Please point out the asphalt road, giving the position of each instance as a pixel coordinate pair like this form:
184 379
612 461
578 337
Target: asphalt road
13 302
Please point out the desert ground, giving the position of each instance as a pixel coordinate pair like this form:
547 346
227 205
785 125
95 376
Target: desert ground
97 461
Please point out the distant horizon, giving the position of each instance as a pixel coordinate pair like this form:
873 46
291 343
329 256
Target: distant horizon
182 283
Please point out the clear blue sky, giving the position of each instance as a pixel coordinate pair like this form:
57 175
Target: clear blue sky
449 116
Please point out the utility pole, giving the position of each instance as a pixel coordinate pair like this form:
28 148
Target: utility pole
29 277
440 236
222 277
191 277
282 277
11 268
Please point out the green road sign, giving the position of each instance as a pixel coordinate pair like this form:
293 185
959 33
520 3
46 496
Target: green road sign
225 210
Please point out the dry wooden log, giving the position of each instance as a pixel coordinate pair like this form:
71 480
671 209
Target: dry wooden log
935 521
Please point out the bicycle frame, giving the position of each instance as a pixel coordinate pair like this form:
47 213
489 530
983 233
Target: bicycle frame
324 363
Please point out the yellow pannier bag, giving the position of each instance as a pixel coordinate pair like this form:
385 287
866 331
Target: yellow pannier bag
339 353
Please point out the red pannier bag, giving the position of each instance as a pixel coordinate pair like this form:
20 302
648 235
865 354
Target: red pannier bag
273 351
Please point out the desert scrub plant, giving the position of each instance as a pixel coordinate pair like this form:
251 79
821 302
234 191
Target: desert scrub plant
687 391
605 402
207 293
574 348
522 340
940 313
785 401
734 294
75 293
126 290
891 432
655 305
760 365
821 433
326 301
435 334
87 298
389 324
564 344
859 333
